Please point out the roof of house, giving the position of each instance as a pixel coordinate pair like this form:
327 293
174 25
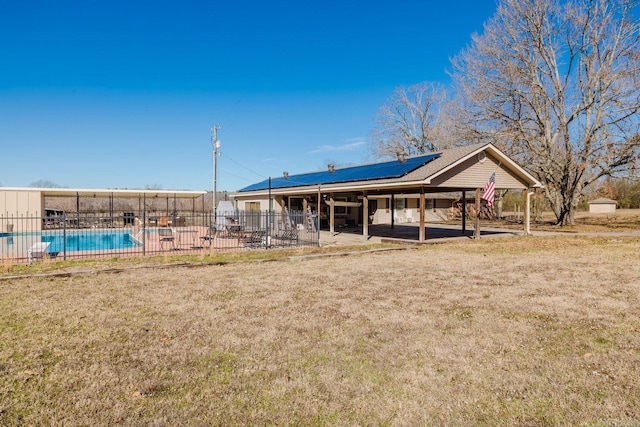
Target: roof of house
414 172
449 195
384 170
603 201
87 192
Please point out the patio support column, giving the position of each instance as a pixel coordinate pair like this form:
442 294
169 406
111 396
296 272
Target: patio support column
305 214
365 214
476 228
422 234
332 214
464 212
393 210
319 207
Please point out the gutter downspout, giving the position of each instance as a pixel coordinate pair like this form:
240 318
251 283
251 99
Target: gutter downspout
527 212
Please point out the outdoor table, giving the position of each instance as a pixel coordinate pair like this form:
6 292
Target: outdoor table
235 230
186 232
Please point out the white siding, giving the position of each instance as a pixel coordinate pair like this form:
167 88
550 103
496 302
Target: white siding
602 208
21 203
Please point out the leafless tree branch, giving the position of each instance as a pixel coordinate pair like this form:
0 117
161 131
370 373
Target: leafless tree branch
556 84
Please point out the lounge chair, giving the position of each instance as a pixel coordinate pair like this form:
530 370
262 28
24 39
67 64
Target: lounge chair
290 234
165 235
210 236
38 251
255 239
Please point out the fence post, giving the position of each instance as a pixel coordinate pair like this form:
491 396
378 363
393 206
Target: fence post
267 234
318 226
144 232
64 236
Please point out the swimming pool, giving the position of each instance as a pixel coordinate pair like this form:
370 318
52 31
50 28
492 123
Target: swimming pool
90 240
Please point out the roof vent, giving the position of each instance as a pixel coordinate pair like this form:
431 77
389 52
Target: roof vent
331 167
402 156
285 174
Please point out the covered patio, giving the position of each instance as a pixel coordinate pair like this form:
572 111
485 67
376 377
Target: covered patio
407 234
343 197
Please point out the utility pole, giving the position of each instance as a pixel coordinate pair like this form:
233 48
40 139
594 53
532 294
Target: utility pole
215 144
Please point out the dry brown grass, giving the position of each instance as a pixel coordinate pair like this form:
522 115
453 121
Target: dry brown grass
522 331
624 220
7 264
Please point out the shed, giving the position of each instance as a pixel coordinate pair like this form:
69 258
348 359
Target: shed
602 205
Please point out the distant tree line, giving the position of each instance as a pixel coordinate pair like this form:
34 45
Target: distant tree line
626 192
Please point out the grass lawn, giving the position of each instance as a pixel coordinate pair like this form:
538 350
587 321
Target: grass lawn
517 331
623 220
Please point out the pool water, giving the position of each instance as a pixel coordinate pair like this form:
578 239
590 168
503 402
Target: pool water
89 241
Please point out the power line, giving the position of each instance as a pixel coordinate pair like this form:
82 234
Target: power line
244 167
244 178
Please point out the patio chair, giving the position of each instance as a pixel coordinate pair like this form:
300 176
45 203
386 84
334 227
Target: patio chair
287 237
210 236
38 251
165 235
290 234
255 239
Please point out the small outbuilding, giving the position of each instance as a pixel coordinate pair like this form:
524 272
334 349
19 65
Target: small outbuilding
602 205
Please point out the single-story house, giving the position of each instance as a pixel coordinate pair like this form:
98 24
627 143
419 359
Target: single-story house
602 205
411 187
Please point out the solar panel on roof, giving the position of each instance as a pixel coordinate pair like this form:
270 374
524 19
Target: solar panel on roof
384 170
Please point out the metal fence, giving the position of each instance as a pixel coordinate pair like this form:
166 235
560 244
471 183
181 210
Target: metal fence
70 236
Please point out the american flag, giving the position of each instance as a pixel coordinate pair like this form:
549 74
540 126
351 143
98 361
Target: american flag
489 192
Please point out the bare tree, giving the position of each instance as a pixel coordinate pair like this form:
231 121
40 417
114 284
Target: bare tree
408 122
43 183
556 84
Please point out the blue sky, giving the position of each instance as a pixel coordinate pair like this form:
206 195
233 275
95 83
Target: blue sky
122 94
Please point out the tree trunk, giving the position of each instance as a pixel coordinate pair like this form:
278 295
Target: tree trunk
566 217
566 211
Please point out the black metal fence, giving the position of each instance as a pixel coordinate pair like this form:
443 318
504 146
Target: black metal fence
68 236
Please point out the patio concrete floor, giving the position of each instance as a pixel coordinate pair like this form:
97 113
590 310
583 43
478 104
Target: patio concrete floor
408 234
